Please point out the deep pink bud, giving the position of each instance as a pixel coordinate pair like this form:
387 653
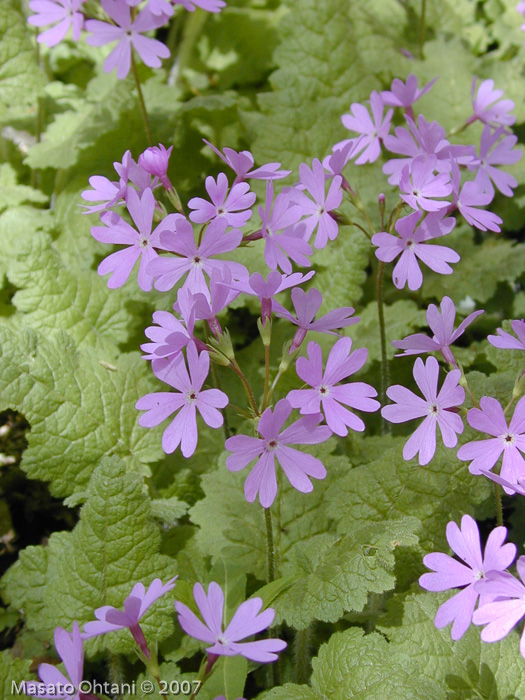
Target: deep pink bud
155 161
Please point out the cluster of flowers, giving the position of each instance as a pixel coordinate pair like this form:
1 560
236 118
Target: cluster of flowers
248 620
124 22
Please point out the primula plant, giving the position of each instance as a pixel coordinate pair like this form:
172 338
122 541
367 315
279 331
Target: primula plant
262 377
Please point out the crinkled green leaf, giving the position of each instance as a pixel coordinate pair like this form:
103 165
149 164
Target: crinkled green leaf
13 671
114 546
78 408
355 665
168 510
12 194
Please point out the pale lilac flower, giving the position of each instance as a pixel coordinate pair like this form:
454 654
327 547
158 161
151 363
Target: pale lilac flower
342 153
506 607
139 244
109 193
138 602
282 215
442 325
195 260
163 8
70 648
246 621
419 185
189 398
435 408
306 305
155 161
488 107
242 163
128 34
273 444
506 341
62 13
222 294
327 394
223 204
510 489
317 212
509 440
405 94
208 5
450 573
469 199
275 283
373 130
130 171
411 244
502 154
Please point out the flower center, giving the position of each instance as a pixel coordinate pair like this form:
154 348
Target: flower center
222 640
197 261
221 211
433 409
409 244
416 193
272 445
323 390
320 211
508 439
191 396
144 243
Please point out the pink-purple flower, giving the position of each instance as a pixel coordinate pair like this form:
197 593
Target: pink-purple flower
233 206
372 129
327 395
129 34
140 243
469 201
62 13
494 152
155 161
506 341
274 445
420 186
508 440
138 602
506 605
404 94
449 573
246 621
412 244
442 325
437 408
488 107
186 401
207 5
242 163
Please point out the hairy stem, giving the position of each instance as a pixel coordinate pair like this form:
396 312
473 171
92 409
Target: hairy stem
302 655
142 104
422 27
382 333
266 376
246 384
270 545
499 507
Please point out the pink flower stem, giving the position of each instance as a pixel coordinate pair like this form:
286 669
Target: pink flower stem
246 384
499 507
142 104
217 384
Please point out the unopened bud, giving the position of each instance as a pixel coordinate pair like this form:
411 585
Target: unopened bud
381 204
340 218
265 330
519 385
159 213
288 357
224 345
217 356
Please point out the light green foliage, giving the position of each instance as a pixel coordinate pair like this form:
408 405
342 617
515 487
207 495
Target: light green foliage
21 78
13 670
12 194
114 546
355 665
78 408
168 510
336 574
468 668
55 297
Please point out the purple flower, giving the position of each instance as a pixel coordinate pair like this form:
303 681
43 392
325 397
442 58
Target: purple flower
506 341
342 153
502 154
469 199
420 185
110 619
189 398
373 130
155 161
487 105
327 394
273 444
63 13
223 204
442 325
507 606
275 283
405 94
449 573
128 34
222 294
411 245
435 408
208 5
317 212
282 215
509 440
157 7
242 163
246 621
109 193
195 260
140 244
71 650
306 305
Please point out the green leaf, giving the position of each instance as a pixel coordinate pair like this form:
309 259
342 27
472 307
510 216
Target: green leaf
114 546
55 298
355 665
78 408
12 194
336 574
12 671
168 510
465 669
21 78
